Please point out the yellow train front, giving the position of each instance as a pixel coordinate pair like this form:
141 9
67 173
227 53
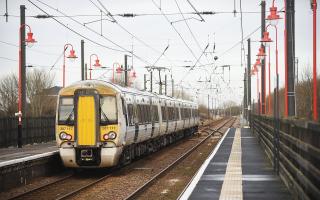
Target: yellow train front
87 125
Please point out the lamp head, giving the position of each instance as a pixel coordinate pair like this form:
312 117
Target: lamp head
30 40
273 17
72 56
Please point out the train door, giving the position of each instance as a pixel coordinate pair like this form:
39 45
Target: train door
87 117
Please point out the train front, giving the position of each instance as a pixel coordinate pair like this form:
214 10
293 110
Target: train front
87 125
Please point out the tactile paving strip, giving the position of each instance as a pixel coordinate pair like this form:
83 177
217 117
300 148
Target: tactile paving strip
232 184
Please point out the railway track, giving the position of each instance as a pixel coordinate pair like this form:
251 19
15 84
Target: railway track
71 185
139 191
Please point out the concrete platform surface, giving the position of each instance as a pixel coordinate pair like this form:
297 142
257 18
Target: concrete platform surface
13 155
237 169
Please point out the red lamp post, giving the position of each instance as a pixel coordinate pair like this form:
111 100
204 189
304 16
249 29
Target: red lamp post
261 55
256 65
273 18
71 56
265 41
315 100
255 71
96 64
29 42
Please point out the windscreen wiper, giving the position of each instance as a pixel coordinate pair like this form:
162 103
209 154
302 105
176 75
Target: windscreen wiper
68 120
105 116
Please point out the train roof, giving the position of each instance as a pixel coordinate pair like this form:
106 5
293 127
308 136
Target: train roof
119 89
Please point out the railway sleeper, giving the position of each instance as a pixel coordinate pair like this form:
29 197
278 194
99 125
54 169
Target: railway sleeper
137 150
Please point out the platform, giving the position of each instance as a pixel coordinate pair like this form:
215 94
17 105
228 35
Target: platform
15 155
236 169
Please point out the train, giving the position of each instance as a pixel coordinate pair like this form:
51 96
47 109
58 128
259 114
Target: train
100 124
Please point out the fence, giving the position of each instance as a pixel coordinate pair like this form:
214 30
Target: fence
295 149
34 130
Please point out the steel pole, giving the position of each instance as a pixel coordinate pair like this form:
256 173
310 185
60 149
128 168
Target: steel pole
249 79
150 81
269 82
126 70
22 74
82 59
90 69
315 100
263 66
145 82
290 26
285 61
208 107
165 85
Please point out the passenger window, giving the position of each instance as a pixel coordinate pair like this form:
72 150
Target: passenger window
131 114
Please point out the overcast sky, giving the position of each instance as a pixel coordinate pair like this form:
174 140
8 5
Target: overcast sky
152 33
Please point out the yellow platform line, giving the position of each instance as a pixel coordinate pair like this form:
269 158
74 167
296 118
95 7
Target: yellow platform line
232 184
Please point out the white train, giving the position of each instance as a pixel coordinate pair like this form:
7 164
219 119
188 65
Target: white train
100 124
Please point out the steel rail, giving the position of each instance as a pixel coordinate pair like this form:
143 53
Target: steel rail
41 187
136 193
74 192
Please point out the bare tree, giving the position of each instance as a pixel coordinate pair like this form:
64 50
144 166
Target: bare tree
304 94
9 95
37 82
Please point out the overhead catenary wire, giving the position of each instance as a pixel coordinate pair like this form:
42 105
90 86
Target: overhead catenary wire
72 30
35 50
28 64
185 21
194 8
237 43
131 15
108 13
193 54
90 29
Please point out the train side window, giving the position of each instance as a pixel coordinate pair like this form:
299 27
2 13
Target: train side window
163 114
155 113
176 113
130 114
142 114
139 114
147 114
148 111
124 110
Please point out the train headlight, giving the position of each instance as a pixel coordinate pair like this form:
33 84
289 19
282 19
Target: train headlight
111 135
65 136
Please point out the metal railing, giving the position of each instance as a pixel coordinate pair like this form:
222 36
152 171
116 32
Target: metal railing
34 130
294 150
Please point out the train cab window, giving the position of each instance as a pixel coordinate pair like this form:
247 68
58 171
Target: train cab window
66 110
108 111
